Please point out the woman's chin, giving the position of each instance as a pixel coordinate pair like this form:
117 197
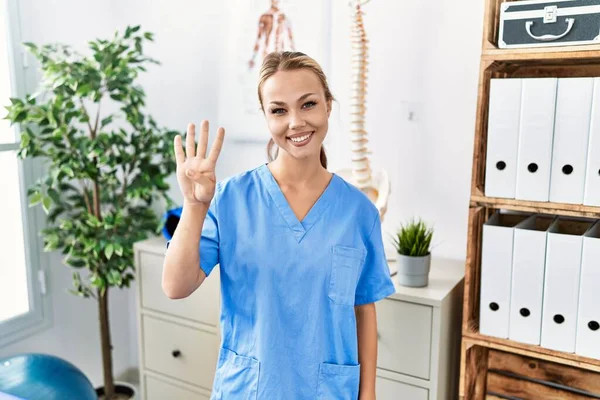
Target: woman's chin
310 151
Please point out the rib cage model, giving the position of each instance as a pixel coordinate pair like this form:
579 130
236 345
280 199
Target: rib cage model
375 185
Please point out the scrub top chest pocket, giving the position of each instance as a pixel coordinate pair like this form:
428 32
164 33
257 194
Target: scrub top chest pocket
346 263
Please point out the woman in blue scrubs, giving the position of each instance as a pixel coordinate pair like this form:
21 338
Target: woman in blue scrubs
299 249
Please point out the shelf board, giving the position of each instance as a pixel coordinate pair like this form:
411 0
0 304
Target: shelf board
573 210
542 55
528 350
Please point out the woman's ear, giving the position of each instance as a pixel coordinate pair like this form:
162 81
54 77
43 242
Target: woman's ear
329 102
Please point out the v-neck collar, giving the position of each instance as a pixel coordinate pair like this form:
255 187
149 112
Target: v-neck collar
299 228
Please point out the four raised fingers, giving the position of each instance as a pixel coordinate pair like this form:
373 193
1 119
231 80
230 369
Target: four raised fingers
217 145
190 144
203 140
179 154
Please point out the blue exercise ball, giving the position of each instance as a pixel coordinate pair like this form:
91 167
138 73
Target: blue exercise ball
43 377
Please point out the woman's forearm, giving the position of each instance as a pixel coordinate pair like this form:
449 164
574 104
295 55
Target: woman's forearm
181 268
366 326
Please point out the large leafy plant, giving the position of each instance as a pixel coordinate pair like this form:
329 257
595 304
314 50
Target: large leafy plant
414 239
104 170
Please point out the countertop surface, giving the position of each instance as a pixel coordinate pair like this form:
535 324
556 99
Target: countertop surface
444 275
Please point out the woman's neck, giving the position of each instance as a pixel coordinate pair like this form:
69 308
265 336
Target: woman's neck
293 172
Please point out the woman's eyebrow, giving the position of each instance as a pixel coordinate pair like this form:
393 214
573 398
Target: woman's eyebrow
281 103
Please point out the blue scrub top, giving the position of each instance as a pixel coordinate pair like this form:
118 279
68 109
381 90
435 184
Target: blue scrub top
289 287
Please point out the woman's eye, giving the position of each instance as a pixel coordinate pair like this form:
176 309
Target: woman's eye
308 104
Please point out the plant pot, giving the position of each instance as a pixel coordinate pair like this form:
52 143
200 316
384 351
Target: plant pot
123 391
413 271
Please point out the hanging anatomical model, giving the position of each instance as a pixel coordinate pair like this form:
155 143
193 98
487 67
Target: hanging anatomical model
375 185
274 33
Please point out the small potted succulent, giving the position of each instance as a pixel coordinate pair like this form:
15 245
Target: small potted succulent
413 245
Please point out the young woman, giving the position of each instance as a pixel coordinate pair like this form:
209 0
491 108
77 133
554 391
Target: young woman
299 249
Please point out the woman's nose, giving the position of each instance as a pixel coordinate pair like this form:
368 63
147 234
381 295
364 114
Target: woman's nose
296 121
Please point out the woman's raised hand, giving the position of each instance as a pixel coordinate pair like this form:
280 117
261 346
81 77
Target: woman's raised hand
195 171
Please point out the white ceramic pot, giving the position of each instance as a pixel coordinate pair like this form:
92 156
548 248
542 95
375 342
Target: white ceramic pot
413 271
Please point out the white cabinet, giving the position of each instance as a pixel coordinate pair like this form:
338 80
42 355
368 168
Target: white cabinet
418 334
178 339
179 351
400 349
201 307
157 389
389 389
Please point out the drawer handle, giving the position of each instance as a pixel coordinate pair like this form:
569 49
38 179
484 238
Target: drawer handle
176 353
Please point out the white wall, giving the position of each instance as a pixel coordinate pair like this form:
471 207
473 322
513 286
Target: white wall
424 58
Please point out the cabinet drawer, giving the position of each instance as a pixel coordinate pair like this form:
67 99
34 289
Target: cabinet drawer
155 389
180 352
202 306
404 331
388 389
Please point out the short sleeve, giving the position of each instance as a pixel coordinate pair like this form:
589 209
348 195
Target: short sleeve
374 282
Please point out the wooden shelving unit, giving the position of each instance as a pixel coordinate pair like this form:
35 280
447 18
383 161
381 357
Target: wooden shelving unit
493 368
571 210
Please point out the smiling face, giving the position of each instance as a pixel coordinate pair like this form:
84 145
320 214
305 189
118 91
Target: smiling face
296 111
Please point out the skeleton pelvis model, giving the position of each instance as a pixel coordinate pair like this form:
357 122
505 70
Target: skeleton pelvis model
376 185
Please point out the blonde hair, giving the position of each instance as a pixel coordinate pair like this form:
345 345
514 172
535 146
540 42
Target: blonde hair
289 61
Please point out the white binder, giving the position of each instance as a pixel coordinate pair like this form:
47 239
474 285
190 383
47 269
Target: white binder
496 267
502 138
592 177
527 289
588 320
570 145
561 284
535 138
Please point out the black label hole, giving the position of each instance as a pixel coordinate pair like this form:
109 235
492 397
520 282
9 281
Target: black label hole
567 169
533 167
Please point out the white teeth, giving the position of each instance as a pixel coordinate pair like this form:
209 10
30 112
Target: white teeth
300 139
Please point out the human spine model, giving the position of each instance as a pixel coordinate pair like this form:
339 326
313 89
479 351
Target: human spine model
273 28
375 185
361 168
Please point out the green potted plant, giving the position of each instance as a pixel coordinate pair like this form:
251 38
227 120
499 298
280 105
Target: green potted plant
103 170
413 246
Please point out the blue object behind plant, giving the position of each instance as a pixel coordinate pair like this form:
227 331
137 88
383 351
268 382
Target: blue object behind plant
43 377
171 219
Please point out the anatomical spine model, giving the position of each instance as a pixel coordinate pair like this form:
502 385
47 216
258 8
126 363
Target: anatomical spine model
275 32
375 185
